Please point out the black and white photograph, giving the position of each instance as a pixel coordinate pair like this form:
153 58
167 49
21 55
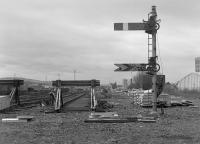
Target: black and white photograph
99 72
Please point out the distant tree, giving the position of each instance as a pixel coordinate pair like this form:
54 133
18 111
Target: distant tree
171 88
104 90
142 80
30 89
114 85
131 86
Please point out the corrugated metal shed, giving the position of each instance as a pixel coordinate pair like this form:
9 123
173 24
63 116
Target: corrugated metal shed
189 82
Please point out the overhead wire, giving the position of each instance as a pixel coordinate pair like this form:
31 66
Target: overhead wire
159 57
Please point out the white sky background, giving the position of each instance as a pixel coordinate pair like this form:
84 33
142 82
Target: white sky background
47 37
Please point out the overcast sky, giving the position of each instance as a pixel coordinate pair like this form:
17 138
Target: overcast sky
41 38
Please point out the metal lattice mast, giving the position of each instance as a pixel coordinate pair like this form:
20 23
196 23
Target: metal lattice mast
154 17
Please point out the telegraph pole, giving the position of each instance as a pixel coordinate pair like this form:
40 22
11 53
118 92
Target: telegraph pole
74 74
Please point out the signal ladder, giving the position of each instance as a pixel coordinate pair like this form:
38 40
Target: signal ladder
149 46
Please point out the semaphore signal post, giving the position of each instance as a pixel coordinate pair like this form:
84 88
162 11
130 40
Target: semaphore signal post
150 27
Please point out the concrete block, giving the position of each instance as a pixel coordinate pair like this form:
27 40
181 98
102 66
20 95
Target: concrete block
25 117
13 120
103 115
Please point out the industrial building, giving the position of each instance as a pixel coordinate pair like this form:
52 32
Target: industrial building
189 82
125 83
197 64
192 80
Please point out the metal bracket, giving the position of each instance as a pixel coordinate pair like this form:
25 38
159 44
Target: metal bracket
93 98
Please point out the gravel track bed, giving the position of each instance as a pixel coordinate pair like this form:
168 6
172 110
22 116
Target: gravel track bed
178 125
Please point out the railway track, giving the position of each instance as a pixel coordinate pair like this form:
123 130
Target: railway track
73 97
74 101
80 102
38 98
32 99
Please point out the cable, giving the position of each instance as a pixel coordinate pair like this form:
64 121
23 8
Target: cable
162 67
